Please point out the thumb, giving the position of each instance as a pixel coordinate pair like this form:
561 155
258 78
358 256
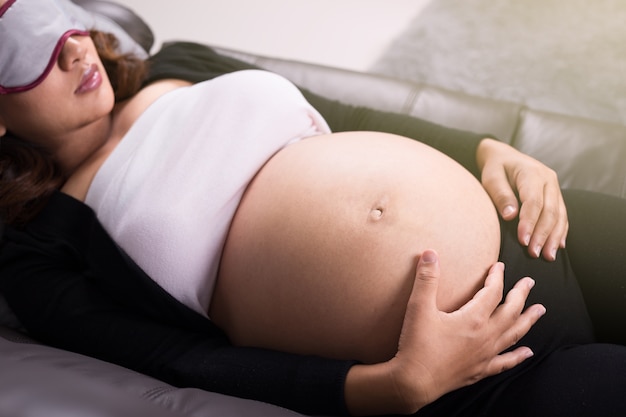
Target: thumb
426 285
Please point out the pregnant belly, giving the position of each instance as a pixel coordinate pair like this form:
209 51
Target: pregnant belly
321 255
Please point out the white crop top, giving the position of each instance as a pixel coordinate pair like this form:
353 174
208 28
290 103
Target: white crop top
168 192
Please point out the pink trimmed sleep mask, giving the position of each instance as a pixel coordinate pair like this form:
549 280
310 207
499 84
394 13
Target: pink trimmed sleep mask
32 34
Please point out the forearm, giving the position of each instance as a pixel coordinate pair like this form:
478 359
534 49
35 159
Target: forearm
306 384
62 307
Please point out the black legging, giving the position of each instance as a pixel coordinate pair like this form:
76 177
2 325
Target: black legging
584 292
597 250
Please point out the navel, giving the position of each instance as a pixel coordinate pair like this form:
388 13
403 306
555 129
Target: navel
376 213
378 209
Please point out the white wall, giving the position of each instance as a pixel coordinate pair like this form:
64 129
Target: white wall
344 33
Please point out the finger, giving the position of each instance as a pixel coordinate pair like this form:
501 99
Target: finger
510 311
546 223
508 360
555 241
509 317
542 208
531 198
521 327
551 228
426 284
558 236
512 336
488 298
516 297
498 186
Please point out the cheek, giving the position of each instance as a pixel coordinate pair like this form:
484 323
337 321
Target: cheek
106 98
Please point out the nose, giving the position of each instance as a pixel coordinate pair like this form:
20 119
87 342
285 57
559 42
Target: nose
72 53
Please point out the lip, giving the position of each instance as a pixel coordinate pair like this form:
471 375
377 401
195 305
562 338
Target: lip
90 81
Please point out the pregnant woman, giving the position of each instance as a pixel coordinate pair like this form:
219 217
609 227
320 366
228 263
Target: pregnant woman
237 199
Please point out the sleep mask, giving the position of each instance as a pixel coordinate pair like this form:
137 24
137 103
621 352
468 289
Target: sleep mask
32 35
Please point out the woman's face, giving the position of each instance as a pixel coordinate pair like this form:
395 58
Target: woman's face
76 94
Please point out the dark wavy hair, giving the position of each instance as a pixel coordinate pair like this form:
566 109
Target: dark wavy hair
28 173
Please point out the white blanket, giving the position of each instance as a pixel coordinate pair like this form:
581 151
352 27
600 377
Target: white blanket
168 192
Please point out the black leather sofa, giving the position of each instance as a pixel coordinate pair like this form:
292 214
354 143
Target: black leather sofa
40 381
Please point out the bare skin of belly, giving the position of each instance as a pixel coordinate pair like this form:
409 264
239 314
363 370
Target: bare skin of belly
321 255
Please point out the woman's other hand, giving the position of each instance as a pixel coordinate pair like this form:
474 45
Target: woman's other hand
543 223
439 352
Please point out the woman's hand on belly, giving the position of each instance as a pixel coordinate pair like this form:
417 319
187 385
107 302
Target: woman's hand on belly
543 223
440 352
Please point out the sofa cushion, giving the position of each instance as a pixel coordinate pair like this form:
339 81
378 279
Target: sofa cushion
586 154
41 381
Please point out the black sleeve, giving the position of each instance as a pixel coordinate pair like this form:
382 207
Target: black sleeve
195 63
60 300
